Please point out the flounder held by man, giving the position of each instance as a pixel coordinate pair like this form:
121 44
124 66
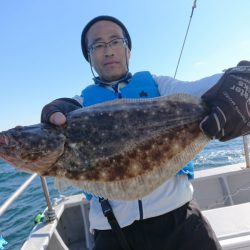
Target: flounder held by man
122 149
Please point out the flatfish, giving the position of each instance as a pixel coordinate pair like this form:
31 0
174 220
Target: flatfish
122 150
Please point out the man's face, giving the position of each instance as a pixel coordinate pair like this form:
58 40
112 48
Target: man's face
109 63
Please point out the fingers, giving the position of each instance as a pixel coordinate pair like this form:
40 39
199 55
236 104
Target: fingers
57 119
213 124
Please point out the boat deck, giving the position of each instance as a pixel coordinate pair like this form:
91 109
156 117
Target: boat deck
223 194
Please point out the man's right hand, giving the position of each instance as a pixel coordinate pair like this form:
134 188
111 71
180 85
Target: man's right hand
56 111
57 119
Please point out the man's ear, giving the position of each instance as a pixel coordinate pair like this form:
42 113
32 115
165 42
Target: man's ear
128 53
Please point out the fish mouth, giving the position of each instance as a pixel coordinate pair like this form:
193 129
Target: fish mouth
4 140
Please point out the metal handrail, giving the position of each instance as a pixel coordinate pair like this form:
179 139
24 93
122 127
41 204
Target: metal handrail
16 194
50 213
245 141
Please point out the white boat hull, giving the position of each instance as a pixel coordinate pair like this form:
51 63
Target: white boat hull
223 194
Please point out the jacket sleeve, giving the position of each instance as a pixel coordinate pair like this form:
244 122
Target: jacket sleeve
168 85
63 105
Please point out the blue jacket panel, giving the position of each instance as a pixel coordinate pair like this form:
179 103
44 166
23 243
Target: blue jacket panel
141 85
188 170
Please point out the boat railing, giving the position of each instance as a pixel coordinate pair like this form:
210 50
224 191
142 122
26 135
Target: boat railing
245 142
50 212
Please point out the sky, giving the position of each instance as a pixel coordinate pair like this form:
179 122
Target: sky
41 58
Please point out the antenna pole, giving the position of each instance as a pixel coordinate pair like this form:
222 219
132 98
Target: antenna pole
190 19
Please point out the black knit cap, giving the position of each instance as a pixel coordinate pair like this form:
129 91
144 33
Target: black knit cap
97 19
244 63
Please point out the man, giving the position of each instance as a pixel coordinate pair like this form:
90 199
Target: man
167 218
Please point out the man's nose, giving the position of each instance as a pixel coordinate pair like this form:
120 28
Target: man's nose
108 51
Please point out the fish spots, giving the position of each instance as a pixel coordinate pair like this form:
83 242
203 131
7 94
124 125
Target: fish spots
131 163
73 145
176 147
135 167
112 143
166 140
82 177
103 175
43 141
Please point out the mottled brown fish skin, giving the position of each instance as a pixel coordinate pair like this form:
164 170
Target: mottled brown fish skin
32 148
120 144
107 147
146 157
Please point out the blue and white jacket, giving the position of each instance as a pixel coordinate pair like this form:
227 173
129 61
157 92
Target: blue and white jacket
176 191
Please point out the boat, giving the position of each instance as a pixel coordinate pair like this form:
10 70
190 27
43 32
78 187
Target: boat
226 205
223 194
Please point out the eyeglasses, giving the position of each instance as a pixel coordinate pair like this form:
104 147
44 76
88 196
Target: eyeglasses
113 44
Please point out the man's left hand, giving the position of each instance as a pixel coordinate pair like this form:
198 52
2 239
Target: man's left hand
229 105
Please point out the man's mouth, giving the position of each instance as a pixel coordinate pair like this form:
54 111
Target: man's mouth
110 63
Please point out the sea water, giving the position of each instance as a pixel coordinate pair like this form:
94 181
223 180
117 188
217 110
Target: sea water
17 222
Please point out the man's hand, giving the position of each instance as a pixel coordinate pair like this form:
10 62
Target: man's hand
213 124
57 119
229 105
56 111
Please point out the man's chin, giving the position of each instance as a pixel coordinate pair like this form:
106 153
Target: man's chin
113 77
